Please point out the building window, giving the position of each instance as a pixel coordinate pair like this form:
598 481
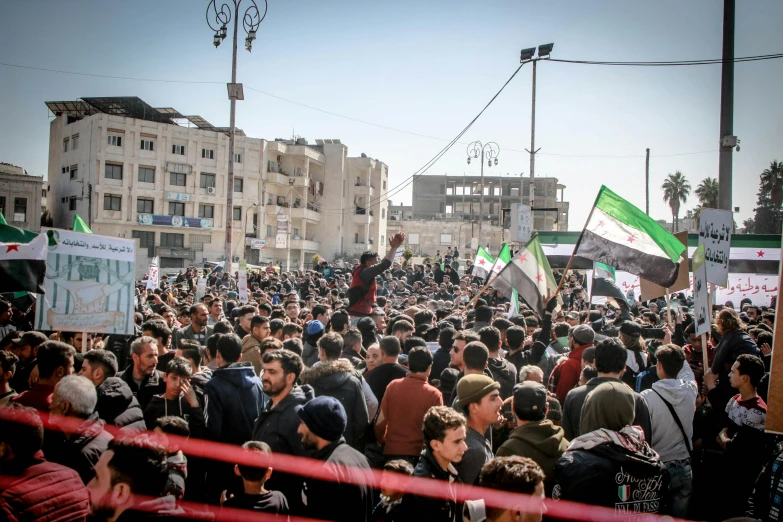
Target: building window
146 240
115 140
72 203
356 237
74 171
383 215
113 171
2 205
147 144
172 240
20 209
208 153
206 211
207 180
66 141
66 169
176 208
295 233
178 149
75 142
239 185
147 174
384 185
145 206
177 179
382 241
237 213
111 202
237 158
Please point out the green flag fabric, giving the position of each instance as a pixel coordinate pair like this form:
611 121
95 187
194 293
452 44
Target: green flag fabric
2 219
620 235
529 274
503 259
79 225
483 263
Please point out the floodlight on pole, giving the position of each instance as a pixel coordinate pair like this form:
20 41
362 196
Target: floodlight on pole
527 54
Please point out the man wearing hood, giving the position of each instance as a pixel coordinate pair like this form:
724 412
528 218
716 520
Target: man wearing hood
672 405
116 404
73 412
234 397
504 373
337 379
278 422
315 329
535 436
611 465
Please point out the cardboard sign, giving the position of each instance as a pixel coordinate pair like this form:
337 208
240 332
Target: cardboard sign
701 308
715 234
651 290
242 285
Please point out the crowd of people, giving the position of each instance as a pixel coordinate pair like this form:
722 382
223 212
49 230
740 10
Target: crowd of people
375 369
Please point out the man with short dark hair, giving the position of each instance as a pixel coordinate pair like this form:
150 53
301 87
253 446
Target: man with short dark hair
389 369
278 422
565 376
251 351
518 475
610 358
461 340
245 315
484 315
504 373
352 347
28 478
55 361
178 400
26 349
7 368
347 493
160 331
142 377
362 292
198 329
337 378
404 404
444 432
535 436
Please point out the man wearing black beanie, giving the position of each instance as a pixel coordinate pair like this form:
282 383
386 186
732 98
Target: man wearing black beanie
347 495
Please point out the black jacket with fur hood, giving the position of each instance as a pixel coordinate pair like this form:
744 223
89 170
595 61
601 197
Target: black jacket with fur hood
338 379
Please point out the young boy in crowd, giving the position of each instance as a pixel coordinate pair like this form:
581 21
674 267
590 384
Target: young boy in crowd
176 462
389 508
255 496
178 400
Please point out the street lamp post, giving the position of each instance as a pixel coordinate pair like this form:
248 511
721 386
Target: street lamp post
217 20
244 228
491 151
526 56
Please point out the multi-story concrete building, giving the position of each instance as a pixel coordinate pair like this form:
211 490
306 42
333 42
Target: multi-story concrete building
20 197
400 212
439 197
134 171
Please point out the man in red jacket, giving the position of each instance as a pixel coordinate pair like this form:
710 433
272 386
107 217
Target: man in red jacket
30 487
565 376
361 294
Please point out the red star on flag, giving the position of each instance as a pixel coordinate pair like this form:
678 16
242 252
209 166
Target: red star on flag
540 277
523 257
630 239
600 224
482 262
12 247
760 253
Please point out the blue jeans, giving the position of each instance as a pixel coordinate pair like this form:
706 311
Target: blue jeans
680 487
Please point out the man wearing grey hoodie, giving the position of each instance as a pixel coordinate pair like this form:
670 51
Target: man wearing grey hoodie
674 394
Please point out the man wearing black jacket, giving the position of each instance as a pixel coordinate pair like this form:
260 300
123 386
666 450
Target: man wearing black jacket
142 377
116 403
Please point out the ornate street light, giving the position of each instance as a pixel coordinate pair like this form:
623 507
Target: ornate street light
490 151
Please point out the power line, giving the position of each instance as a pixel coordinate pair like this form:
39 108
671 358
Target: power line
672 63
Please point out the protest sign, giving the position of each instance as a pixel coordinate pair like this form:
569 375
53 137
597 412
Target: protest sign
201 288
701 308
153 275
715 234
242 286
89 284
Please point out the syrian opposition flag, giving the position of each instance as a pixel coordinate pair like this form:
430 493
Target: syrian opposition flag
530 275
504 258
604 282
483 263
620 235
153 276
23 265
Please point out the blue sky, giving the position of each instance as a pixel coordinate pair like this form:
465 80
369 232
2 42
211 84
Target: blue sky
427 67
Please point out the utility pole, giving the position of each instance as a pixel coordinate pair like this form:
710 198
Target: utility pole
647 183
532 150
726 108
288 232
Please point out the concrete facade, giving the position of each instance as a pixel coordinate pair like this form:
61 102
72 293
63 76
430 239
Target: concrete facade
400 212
426 237
165 185
20 197
442 197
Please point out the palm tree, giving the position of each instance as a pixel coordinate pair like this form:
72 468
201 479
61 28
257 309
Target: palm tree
676 190
772 183
707 192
